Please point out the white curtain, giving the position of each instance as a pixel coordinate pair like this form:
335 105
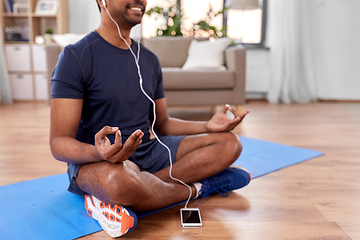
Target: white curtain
5 90
289 37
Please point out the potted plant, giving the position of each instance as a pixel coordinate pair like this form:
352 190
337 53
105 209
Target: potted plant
204 26
173 18
47 36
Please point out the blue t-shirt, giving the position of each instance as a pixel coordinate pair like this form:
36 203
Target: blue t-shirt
106 78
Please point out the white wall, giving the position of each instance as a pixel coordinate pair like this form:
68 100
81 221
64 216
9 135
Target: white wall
337 52
84 16
257 73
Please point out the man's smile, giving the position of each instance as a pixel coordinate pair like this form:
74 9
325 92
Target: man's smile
138 9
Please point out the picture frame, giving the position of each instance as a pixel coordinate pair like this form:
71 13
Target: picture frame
47 7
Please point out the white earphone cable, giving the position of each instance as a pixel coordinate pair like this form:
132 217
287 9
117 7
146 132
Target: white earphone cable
137 58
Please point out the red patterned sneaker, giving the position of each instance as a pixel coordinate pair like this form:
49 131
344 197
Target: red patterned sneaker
114 219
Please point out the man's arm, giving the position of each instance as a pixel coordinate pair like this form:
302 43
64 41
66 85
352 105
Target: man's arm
167 125
64 121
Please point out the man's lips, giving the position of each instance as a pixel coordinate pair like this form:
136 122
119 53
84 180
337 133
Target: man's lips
137 8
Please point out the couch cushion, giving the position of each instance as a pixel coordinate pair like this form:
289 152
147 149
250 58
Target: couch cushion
206 54
196 79
171 51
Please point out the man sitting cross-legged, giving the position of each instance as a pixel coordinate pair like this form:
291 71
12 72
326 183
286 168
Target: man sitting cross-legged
100 126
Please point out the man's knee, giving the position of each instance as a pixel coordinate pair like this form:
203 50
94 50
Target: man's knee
123 187
232 145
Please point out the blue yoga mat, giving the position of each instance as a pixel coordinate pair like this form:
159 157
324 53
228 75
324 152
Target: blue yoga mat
263 157
44 209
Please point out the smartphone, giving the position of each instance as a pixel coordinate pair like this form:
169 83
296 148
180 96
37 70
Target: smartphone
190 217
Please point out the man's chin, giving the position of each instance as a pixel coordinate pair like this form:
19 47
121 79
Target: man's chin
134 18
135 21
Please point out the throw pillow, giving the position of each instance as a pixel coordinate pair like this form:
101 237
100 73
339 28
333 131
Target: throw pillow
206 54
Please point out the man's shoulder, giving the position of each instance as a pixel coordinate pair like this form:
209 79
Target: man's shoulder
147 50
150 55
83 44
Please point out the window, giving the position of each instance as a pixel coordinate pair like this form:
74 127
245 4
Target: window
246 26
195 11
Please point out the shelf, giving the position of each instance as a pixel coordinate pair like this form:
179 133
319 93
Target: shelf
26 57
43 15
36 15
11 15
16 42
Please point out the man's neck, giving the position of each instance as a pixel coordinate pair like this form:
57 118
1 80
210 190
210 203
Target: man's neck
109 32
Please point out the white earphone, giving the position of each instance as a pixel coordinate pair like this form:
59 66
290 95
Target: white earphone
137 58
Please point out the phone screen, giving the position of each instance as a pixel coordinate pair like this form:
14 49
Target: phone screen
191 216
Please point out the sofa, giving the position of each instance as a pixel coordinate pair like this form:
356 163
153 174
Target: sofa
193 85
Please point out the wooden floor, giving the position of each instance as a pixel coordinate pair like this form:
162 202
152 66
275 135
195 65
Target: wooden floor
317 199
